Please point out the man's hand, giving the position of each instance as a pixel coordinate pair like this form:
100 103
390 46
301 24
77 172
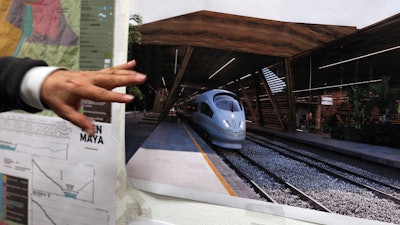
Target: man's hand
63 90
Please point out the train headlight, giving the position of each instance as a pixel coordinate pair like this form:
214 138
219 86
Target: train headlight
226 123
241 125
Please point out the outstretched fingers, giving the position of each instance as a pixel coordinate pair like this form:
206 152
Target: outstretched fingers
125 66
78 119
99 94
117 78
63 90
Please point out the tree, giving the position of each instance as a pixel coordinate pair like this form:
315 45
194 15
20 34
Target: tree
135 37
139 102
357 98
384 97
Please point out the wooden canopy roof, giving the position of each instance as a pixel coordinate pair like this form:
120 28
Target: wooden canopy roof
240 34
185 51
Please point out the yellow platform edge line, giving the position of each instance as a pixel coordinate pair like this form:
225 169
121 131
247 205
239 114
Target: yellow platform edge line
217 173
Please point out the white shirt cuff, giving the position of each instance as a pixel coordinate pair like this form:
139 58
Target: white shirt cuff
32 84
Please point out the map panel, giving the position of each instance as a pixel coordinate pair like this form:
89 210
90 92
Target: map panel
52 172
42 29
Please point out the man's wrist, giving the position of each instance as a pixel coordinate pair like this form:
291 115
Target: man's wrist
32 84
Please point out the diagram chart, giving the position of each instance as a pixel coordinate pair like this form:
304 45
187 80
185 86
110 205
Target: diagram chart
46 211
52 150
75 183
20 125
56 184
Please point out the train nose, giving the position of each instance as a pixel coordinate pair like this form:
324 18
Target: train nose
233 121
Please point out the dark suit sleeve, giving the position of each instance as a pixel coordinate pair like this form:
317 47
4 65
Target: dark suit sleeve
12 71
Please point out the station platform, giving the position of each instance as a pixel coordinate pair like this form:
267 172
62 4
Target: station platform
174 155
169 157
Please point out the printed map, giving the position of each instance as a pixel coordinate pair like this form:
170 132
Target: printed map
41 29
52 172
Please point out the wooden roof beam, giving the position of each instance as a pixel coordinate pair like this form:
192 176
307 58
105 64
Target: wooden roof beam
178 79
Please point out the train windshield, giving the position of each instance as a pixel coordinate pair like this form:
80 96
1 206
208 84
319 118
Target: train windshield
227 102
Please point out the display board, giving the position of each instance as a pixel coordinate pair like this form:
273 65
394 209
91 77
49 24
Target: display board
53 172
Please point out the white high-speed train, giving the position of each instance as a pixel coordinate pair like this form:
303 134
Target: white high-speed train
220 115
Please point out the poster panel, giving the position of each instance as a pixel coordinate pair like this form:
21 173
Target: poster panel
53 172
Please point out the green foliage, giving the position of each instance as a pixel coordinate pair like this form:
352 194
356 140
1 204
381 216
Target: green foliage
139 102
135 37
380 95
384 97
135 91
358 98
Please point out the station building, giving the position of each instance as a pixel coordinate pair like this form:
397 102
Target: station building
295 76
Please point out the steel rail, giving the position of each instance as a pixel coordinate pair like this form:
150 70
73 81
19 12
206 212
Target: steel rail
254 185
377 192
303 196
396 188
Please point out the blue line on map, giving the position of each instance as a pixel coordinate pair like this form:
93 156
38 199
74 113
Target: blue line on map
7 147
27 29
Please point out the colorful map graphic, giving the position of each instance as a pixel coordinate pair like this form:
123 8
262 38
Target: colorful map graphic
41 29
65 180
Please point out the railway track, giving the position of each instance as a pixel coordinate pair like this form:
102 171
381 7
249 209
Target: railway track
227 156
304 180
381 188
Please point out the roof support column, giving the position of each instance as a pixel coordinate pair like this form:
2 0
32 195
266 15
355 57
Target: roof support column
258 105
272 100
177 82
291 104
248 102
